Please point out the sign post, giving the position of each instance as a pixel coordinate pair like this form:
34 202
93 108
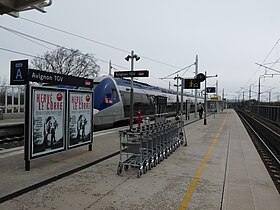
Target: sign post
205 103
131 74
26 128
19 76
207 90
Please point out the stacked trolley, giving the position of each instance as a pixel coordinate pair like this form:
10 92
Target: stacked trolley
145 147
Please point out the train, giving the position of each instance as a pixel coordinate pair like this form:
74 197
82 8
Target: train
112 101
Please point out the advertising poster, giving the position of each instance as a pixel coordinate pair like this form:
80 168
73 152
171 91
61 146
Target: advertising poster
47 121
80 118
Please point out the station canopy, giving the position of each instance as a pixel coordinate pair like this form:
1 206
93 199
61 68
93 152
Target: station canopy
13 7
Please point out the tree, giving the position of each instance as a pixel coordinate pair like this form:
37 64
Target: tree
68 62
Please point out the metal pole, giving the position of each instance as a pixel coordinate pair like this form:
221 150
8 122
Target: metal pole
205 105
177 99
217 90
259 93
195 92
13 99
110 68
182 99
249 92
131 93
19 89
6 99
26 128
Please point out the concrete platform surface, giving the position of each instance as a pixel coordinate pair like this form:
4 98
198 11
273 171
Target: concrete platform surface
219 169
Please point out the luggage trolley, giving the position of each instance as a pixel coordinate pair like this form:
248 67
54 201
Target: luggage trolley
144 148
181 132
176 141
132 152
164 141
147 147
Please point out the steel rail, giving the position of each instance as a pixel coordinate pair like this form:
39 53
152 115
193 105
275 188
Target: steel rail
263 142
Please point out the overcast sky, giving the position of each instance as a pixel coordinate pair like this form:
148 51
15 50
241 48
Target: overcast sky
229 37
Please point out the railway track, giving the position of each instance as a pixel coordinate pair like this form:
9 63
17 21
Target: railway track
267 142
11 136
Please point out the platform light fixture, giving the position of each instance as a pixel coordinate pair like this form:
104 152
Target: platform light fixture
131 58
205 102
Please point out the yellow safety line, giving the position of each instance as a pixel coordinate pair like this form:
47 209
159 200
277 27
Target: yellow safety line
196 178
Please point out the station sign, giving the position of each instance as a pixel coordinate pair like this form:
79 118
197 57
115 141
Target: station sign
191 84
215 98
141 73
19 72
56 79
210 90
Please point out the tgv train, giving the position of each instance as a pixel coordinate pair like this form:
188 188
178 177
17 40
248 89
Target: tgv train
112 101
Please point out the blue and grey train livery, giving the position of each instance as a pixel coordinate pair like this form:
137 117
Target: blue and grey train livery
112 101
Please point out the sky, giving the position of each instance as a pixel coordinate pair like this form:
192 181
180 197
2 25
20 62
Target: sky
229 38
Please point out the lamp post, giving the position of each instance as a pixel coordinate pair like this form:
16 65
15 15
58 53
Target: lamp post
131 57
250 92
177 96
195 92
205 105
205 102
259 92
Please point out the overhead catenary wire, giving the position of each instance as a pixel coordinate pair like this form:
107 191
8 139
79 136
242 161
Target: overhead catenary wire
263 62
32 41
176 72
97 42
24 35
17 52
30 37
29 55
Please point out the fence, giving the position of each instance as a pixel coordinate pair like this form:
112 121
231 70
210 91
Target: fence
12 101
271 113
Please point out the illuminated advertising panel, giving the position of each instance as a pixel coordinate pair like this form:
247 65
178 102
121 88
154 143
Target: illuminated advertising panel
47 121
80 118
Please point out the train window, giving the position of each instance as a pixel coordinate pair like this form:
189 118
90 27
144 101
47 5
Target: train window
152 99
114 94
137 98
125 98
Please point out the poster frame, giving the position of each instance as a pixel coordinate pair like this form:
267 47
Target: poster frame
33 155
90 142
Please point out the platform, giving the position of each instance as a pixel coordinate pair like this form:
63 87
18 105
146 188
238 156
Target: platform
219 169
11 122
